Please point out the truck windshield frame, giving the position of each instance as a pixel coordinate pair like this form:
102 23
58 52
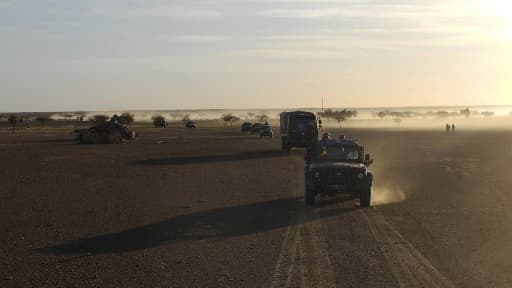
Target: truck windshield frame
337 153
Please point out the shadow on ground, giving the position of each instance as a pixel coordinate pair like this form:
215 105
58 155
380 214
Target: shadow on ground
183 160
212 224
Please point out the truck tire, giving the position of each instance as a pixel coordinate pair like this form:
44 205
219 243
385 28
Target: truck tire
309 196
365 197
114 138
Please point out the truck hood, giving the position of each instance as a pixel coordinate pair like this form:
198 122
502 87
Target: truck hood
337 165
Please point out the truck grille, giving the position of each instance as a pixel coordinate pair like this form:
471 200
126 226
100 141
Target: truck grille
335 176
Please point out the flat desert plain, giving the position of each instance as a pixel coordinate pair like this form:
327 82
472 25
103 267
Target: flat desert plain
209 207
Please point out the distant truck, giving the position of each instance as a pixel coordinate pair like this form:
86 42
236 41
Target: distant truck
190 124
338 166
298 129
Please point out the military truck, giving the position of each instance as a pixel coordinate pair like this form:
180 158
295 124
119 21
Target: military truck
298 129
338 166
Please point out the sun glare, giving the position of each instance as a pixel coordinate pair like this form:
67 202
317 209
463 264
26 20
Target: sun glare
498 14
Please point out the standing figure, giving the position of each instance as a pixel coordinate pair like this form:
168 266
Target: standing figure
453 128
448 127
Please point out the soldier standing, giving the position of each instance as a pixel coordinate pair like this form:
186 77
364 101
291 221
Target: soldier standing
453 128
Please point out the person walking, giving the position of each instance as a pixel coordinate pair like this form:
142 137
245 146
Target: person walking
453 128
448 128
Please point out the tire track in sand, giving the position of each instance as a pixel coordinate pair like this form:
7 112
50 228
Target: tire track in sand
304 259
409 267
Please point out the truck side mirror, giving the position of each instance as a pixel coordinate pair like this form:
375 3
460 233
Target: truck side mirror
368 160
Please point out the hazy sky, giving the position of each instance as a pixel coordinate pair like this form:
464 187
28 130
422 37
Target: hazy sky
135 54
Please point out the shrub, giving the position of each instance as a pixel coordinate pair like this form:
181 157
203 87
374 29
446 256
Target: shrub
159 121
126 118
13 120
230 118
261 117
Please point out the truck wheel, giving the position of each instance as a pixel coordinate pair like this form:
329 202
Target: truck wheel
81 138
309 196
365 197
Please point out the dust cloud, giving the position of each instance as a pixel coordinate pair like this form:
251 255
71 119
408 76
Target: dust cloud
387 195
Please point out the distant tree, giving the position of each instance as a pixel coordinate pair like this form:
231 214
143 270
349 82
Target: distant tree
327 114
339 118
261 117
13 121
114 118
230 118
186 118
465 112
442 114
488 113
99 119
382 114
126 118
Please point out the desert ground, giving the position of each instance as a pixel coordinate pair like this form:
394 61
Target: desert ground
209 207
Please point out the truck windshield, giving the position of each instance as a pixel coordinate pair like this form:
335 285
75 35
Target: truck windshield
302 123
337 152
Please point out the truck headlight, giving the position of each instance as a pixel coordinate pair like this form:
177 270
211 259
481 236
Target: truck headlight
360 176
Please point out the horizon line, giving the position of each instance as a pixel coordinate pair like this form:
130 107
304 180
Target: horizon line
256 108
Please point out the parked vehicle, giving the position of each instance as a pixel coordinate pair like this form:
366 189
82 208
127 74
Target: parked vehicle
266 131
246 127
255 128
105 133
159 122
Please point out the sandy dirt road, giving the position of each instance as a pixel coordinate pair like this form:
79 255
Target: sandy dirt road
211 208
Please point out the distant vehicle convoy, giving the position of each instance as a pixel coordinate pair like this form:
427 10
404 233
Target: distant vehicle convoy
337 166
332 166
298 129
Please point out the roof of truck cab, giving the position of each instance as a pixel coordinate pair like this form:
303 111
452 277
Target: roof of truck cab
299 113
